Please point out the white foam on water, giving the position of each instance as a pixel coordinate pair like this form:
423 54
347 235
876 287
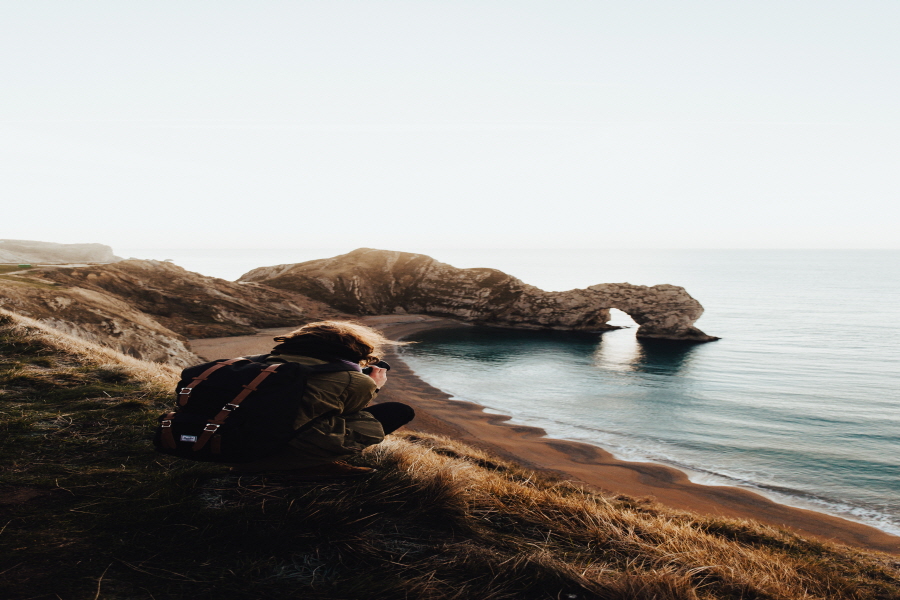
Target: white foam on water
629 449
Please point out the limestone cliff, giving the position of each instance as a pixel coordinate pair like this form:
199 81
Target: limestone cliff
149 309
370 282
27 251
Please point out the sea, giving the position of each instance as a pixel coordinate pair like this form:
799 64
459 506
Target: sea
799 400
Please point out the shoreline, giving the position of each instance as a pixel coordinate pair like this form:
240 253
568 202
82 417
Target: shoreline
581 462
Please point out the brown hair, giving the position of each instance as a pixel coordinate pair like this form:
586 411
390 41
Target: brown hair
364 342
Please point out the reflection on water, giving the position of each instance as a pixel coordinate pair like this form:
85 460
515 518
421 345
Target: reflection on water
622 351
617 350
501 345
667 356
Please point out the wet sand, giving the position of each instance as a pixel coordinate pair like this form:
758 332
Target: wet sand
585 463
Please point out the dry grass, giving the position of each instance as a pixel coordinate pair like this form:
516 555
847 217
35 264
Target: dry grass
29 332
88 510
620 548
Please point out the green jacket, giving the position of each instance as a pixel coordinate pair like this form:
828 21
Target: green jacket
331 418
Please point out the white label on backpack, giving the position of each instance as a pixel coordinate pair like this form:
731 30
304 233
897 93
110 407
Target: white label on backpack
188 438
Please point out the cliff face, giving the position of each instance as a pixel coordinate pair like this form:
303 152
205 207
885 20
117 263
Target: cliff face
369 282
148 309
27 251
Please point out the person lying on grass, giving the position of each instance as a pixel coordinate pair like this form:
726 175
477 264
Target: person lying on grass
334 418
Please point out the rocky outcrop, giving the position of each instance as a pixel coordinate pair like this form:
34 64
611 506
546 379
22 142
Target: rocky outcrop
149 309
370 282
191 304
27 251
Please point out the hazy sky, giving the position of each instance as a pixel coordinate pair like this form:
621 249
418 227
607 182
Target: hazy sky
656 124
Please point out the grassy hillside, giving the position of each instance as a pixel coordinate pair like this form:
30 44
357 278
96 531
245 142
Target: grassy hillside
148 309
90 511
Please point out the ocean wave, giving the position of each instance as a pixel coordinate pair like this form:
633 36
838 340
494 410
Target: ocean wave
629 448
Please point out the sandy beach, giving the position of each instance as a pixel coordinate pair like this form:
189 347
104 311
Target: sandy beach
576 461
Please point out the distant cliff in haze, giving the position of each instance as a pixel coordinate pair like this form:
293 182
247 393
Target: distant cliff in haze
28 251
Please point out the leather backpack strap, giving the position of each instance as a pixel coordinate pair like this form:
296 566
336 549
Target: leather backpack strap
213 424
168 439
185 392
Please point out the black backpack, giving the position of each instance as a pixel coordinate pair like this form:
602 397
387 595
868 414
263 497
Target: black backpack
235 410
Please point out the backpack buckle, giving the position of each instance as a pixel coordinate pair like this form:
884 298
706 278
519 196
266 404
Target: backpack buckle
230 406
214 426
185 390
166 423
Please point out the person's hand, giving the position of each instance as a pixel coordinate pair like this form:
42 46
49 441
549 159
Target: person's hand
379 375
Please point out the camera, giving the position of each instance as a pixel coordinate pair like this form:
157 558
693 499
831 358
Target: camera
380 363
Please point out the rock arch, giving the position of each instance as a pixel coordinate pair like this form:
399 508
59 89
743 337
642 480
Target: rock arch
370 282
